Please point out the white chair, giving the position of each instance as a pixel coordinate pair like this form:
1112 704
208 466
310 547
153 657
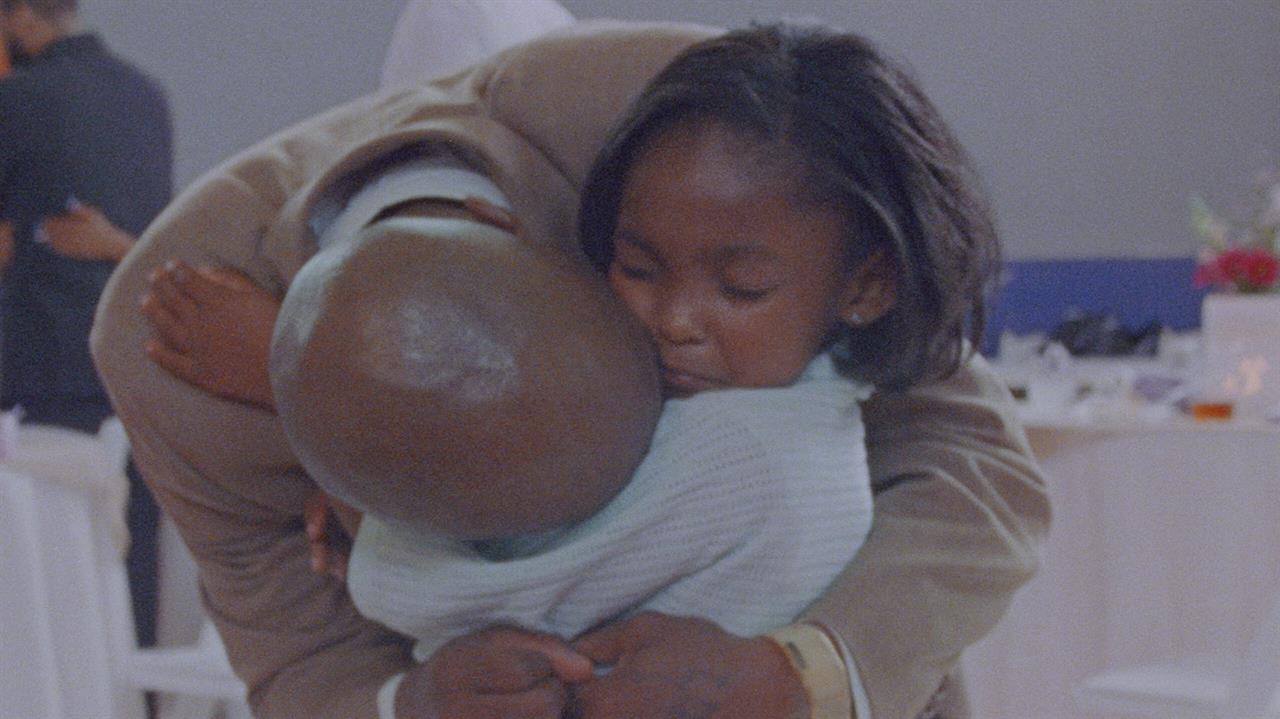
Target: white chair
1245 687
68 649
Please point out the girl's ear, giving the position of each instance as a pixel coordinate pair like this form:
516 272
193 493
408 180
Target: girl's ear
870 291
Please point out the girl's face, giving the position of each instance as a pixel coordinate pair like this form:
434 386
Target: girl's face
737 282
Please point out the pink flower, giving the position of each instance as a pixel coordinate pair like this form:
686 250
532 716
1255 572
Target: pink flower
1209 274
1261 268
1245 269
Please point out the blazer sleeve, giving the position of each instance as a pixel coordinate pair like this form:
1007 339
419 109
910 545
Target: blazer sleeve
223 471
960 512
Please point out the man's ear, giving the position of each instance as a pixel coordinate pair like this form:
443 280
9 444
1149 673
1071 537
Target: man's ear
870 291
491 214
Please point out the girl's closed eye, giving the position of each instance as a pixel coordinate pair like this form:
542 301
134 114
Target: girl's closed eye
749 275
735 293
634 262
634 271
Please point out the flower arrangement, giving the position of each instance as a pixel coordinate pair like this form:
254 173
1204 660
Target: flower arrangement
1241 257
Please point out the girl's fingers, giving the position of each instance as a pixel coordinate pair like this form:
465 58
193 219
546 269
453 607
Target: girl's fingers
175 363
171 330
207 285
490 213
165 287
228 277
315 515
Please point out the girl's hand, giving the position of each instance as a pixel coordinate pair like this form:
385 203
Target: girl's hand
667 666
212 330
496 673
331 527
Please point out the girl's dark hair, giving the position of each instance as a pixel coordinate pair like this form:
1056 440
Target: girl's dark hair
868 142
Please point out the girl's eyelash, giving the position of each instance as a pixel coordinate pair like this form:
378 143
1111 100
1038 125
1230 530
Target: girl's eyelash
739 294
634 273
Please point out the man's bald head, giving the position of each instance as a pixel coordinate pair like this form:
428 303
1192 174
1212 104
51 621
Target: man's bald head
443 374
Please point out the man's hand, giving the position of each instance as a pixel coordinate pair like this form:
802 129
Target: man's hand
497 673
7 246
689 668
84 233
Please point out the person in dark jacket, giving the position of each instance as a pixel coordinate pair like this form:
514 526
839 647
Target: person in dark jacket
85 139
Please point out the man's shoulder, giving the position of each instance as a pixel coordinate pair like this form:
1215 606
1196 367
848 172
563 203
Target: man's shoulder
600 51
638 37
592 69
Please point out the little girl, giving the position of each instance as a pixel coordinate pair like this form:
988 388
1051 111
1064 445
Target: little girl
788 217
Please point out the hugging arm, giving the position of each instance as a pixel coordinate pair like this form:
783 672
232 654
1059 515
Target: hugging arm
222 470
960 513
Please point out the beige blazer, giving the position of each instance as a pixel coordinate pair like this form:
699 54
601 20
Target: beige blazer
961 507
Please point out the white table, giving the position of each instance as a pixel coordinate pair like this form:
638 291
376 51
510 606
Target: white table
1165 541
64 576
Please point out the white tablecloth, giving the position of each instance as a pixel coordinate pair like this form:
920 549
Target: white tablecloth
1165 541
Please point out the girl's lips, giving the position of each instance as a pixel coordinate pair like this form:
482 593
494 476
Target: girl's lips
680 383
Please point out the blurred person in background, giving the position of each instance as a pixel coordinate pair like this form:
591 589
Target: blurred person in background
85 165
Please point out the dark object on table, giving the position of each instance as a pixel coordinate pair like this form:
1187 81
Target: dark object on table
1097 334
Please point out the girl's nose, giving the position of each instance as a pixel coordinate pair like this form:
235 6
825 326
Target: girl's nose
676 320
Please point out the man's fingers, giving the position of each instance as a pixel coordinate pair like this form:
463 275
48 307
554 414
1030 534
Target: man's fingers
546 700
604 697
607 644
506 660
502 670
566 663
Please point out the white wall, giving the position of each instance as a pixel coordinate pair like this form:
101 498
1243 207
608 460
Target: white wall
237 70
1092 120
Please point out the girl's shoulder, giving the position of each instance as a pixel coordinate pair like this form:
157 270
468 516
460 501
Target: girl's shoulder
820 386
819 409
